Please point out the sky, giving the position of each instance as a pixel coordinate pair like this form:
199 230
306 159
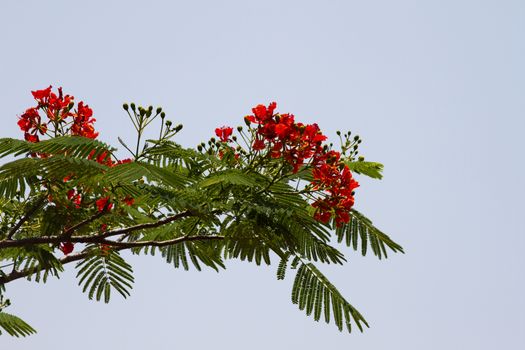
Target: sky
434 88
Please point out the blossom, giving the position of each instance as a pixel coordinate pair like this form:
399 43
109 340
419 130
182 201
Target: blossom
66 247
40 95
103 204
300 144
129 201
224 133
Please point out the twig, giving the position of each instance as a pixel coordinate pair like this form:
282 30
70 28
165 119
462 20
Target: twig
24 218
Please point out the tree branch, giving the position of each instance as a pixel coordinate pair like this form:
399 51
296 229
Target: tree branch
89 239
118 246
24 218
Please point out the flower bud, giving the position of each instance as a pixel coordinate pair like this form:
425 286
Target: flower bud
150 108
199 148
338 133
239 128
163 115
132 105
159 109
234 138
246 121
361 158
178 127
125 106
212 139
356 137
168 123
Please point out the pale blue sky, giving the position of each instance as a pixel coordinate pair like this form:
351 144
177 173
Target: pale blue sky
436 90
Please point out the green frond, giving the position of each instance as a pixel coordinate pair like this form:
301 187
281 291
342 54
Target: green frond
102 272
16 174
314 293
14 325
74 146
231 177
198 253
281 268
171 153
247 241
127 173
370 169
38 260
359 228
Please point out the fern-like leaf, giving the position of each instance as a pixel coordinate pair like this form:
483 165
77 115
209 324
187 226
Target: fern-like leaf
360 228
314 293
370 169
14 325
103 272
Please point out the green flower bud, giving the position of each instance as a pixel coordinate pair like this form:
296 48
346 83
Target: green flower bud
125 106
361 158
132 105
356 137
163 115
338 133
159 109
239 128
178 127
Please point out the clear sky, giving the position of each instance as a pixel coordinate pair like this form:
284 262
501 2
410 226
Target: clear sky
435 89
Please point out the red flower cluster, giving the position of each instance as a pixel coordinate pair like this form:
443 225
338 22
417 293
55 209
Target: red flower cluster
284 137
57 108
298 143
340 187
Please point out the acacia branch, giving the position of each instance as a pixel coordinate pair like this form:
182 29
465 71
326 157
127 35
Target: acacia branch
24 218
8 243
117 247
67 233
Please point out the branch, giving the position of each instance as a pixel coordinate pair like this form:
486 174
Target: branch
67 233
145 226
125 245
7 243
118 246
24 218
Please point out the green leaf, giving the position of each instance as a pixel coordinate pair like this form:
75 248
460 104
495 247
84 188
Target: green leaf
370 169
105 271
313 292
15 326
360 228
232 177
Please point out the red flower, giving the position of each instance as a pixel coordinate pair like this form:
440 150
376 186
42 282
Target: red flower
105 249
41 94
258 145
129 201
224 133
31 138
66 247
103 204
262 113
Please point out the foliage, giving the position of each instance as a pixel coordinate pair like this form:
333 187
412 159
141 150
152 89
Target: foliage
274 190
